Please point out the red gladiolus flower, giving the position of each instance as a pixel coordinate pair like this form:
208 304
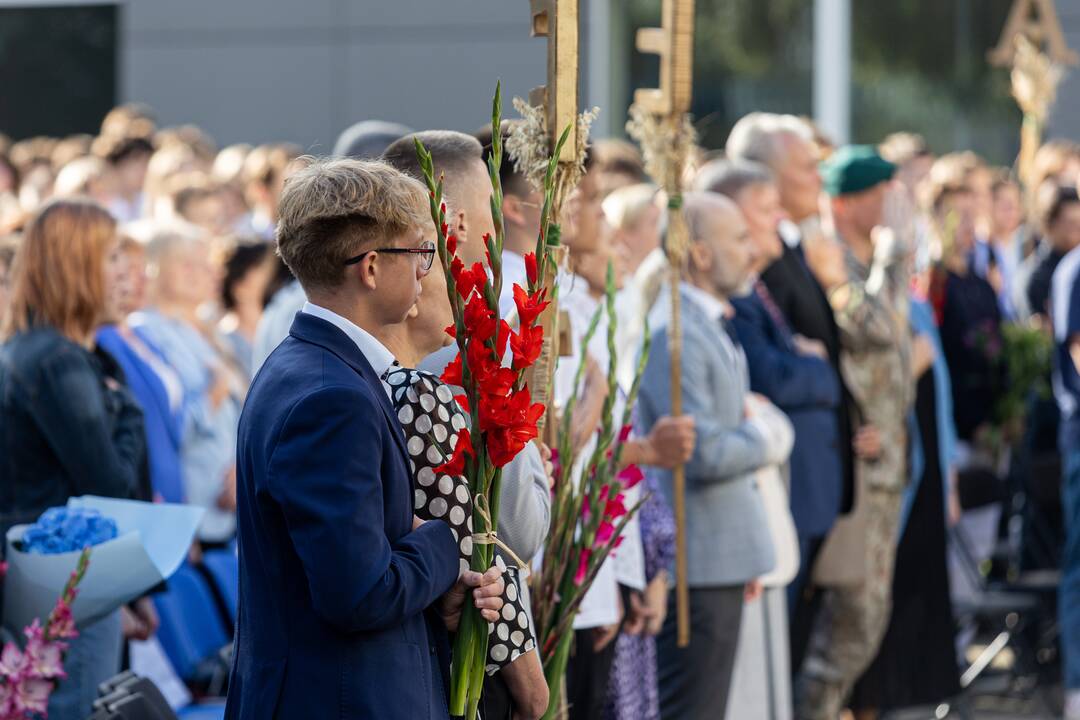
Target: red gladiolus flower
451 330
583 566
630 476
530 268
471 279
529 306
509 425
451 243
479 320
452 374
455 466
462 402
526 346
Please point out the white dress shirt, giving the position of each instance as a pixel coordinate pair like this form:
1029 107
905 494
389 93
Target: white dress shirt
374 351
513 272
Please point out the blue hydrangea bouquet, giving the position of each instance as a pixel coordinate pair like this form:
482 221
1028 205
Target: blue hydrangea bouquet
136 545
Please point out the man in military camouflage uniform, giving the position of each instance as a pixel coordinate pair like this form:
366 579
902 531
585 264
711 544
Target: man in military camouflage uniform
868 292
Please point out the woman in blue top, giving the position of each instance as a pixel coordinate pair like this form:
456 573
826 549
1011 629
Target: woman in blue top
154 383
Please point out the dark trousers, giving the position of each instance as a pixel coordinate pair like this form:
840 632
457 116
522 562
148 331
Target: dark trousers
695 680
587 676
804 601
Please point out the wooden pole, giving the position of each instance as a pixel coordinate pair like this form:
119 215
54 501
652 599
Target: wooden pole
677 227
674 43
556 20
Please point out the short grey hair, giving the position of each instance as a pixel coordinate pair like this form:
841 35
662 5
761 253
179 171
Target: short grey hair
758 136
727 177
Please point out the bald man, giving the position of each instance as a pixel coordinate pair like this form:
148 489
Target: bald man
728 542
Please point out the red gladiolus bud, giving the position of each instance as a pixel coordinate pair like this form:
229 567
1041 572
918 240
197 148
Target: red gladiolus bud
442 208
530 269
451 245
624 433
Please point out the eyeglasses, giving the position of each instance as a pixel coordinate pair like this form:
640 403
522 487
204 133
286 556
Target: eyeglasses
426 251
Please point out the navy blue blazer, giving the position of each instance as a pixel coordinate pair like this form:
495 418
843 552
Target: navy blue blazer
334 583
807 389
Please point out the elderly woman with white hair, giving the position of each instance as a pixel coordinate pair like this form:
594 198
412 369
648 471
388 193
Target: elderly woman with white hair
184 281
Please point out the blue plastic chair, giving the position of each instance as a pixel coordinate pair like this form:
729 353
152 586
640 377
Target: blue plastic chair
209 711
224 569
191 629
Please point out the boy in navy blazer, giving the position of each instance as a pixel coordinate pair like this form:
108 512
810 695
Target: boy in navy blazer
345 596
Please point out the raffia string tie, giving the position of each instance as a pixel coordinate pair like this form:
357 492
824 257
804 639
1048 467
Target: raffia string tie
490 537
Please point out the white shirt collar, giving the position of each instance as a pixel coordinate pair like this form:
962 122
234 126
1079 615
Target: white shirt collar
374 351
711 305
789 233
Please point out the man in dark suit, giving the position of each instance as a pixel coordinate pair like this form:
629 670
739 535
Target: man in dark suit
784 144
345 596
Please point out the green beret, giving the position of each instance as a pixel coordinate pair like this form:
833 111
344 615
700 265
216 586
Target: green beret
854 168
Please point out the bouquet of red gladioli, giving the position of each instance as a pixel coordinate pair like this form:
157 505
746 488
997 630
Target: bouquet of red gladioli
28 675
503 416
589 512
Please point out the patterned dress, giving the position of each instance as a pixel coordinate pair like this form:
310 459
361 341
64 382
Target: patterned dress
632 692
432 420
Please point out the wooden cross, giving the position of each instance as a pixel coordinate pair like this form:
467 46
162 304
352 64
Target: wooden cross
1037 20
557 20
674 43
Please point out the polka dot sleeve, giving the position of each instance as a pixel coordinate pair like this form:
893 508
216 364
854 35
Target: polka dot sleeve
432 420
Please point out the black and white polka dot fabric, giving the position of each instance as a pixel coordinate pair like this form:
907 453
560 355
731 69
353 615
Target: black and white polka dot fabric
432 420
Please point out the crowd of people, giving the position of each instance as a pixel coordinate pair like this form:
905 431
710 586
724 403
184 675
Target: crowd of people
846 318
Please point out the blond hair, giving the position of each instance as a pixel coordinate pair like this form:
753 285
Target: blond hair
58 276
333 209
625 207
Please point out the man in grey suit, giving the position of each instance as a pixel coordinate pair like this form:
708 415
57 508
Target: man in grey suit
728 543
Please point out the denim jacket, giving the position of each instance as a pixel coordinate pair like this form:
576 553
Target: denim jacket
63 431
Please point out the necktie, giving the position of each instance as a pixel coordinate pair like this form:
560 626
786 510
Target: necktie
770 306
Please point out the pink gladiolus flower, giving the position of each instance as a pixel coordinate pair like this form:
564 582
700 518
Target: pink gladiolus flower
604 533
12 661
615 508
7 700
45 659
32 695
61 622
583 566
630 476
